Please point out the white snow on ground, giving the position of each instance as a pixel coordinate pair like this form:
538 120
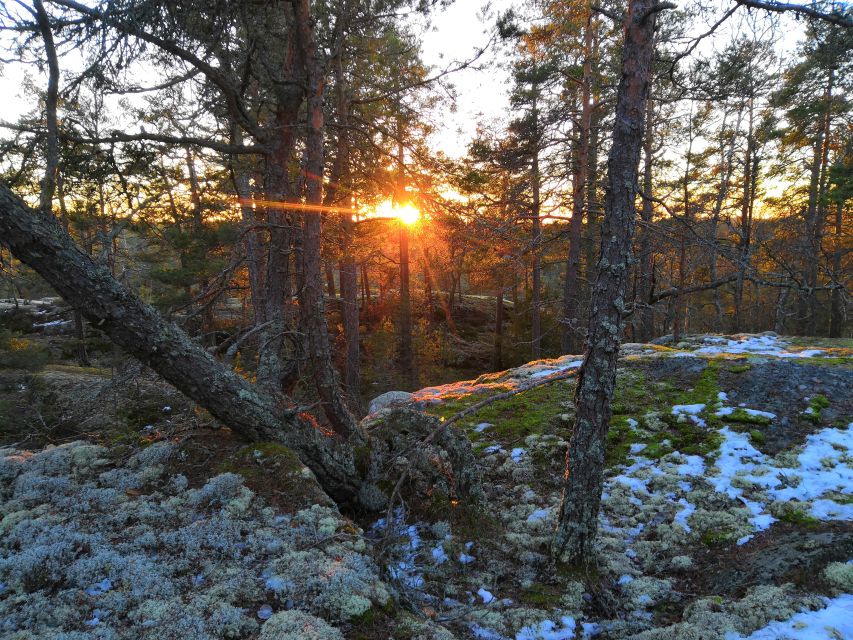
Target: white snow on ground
539 514
405 568
762 345
549 630
692 411
824 466
686 512
574 364
439 554
486 595
693 466
517 453
834 622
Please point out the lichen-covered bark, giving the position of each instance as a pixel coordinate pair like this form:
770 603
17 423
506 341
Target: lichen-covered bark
578 515
40 242
349 470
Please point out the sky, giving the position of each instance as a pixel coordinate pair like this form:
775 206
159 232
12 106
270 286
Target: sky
482 93
454 34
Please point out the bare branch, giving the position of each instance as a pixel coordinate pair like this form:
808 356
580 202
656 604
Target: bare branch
808 10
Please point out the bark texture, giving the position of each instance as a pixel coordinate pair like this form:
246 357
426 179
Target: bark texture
578 513
40 242
348 470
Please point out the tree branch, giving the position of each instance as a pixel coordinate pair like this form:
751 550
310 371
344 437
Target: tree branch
809 10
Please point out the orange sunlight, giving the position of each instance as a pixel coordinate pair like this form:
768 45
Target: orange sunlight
407 213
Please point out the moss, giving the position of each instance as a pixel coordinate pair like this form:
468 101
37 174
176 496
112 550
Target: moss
541 596
799 517
659 430
468 520
843 362
67 368
716 538
815 409
526 413
740 368
821 343
706 387
757 436
819 401
744 417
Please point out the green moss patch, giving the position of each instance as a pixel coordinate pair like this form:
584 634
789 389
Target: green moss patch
815 409
530 412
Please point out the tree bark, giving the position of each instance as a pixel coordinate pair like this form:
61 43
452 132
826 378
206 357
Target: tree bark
726 166
814 214
497 353
647 212
836 310
536 240
745 217
312 305
580 171
578 513
39 241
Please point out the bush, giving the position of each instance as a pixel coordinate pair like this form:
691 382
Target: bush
21 353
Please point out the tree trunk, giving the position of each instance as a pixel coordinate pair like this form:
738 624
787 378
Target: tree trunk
535 302
726 165
330 281
312 307
836 312
647 212
137 328
578 513
497 353
580 170
349 312
745 222
680 321
814 224
406 358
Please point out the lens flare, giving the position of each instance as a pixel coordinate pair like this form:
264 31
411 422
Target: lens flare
407 214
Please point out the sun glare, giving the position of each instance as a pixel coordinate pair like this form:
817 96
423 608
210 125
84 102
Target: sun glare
407 214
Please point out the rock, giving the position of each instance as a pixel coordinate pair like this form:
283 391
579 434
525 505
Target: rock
389 399
444 467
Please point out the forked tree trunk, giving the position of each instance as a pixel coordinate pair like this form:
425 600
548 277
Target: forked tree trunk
578 513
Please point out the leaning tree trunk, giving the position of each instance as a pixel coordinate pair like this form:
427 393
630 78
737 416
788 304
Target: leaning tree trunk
578 514
348 470
39 241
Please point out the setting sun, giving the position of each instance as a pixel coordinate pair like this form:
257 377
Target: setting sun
407 214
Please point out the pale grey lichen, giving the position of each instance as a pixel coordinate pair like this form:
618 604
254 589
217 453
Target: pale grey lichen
298 625
840 576
89 552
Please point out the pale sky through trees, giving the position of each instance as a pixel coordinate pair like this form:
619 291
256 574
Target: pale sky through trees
454 35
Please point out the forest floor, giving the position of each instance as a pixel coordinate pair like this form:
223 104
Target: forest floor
727 511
